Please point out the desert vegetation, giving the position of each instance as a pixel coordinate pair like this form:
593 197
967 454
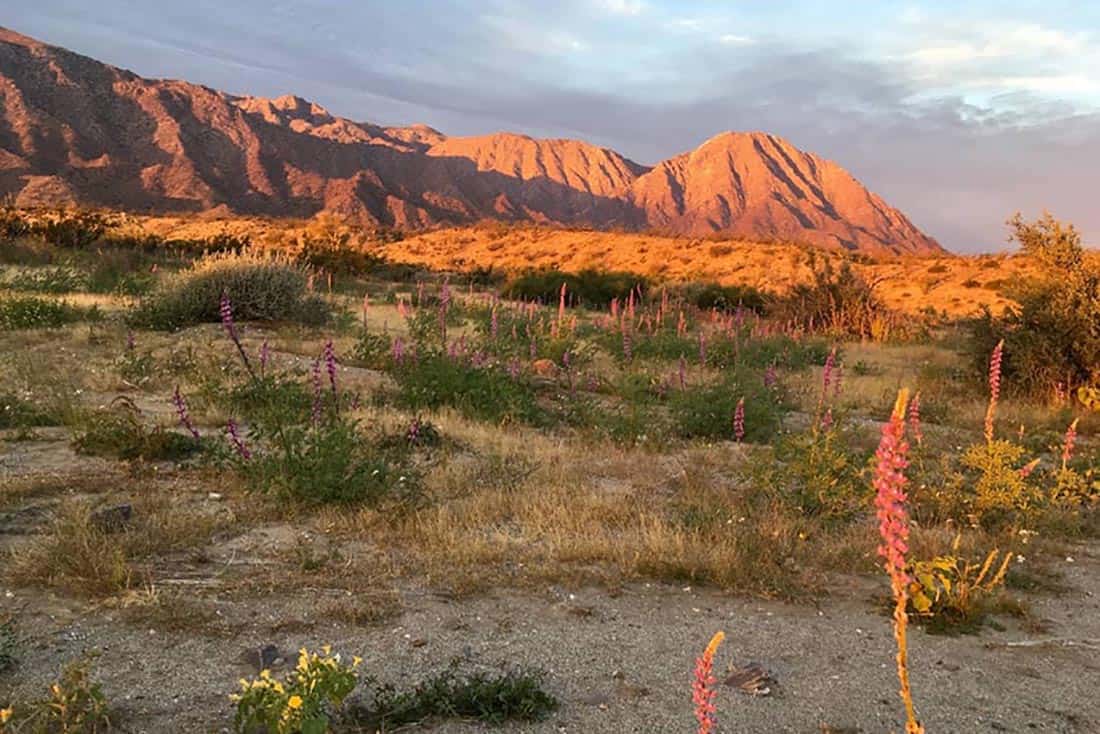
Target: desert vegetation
313 444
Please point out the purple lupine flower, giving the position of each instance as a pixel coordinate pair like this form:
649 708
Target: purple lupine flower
683 373
739 421
628 346
565 359
494 324
236 440
330 364
533 348
316 409
398 350
412 435
225 308
513 368
182 414
770 376
265 356
839 379
130 343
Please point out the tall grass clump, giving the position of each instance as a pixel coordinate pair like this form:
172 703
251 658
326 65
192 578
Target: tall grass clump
592 288
261 288
32 312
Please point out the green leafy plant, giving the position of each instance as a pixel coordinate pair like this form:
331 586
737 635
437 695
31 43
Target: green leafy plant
304 702
30 312
75 704
487 393
512 695
949 592
119 431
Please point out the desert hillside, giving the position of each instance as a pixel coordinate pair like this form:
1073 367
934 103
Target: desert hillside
74 130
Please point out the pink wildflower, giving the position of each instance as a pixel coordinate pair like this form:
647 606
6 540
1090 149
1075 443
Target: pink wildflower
890 495
330 364
181 412
702 687
1070 441
235 438
914 419
994 388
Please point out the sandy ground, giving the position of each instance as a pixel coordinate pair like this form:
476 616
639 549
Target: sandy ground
620 662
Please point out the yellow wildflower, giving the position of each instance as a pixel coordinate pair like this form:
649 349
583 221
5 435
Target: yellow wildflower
6 714
355 661
294 702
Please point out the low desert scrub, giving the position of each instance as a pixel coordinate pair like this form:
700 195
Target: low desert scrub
32 312
75 704
99 552
120 432
949 593
494 699
261 289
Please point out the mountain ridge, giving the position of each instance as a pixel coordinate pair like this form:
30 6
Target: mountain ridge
75 130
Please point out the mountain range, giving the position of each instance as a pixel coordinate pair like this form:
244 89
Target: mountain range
75 130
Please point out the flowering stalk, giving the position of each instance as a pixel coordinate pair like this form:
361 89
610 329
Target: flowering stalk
994 388
181 412
702 687
914 419
226 310
683 373
330 364
235 439
893 522
739 421
702 348
1070 441
770 376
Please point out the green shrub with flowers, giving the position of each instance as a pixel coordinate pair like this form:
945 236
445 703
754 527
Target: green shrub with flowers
303 702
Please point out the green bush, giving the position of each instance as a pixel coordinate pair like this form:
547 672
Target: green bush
119 432
485 393
1052 332
17 412
260 289
30 312
491 698
55 279
591 288
816 473
707 295
707 411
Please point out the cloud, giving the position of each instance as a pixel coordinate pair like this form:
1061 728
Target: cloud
622 7
735 40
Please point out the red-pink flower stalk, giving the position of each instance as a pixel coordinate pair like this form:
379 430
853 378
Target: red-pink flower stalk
827 419
739 421
182 414
561 306
1069 443
1026 469
628 346
893 522
235 439
994 388
914 419
702 686
827 373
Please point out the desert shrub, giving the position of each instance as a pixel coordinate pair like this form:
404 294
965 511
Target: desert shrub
373 350
260 288
591 288
707 411
20 412
31 312
817 473
75 229
55 279
510 696
331 462
13 222
995 489
1052 332
305 700
119 431
841 303
708 295
75 704
486 393
777 350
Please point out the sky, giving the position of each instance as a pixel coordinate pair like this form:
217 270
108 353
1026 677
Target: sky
960 114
